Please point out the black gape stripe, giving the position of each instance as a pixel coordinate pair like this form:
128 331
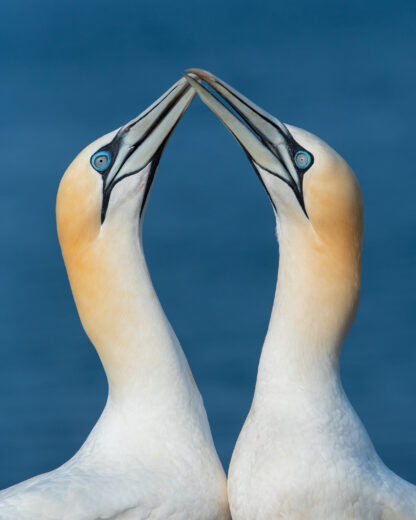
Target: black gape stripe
155 163
261 180
113 148
148 132
292 145
298 193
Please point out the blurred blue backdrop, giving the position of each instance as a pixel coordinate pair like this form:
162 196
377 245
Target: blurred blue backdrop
72 71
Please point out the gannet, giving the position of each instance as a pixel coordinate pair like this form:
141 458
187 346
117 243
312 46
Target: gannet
151 454
303 453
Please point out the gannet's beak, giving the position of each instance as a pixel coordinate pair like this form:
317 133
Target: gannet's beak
141 142
266 141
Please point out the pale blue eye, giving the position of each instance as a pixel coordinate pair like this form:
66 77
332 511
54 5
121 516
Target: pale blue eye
100 161
302 159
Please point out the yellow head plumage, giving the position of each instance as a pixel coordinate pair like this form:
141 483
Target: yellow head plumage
317 201
100 201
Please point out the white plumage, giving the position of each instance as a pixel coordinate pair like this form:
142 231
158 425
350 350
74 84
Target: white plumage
151 454
303 453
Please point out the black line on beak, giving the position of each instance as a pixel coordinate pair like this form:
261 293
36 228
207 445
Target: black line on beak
117 142
291 144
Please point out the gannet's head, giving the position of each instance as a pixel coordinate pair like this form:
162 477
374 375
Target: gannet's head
106 186
312 189
100 202
319 214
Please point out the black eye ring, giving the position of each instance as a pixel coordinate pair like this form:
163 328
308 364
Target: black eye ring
100 161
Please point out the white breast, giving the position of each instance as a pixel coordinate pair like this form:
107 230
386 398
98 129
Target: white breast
129 475
311 461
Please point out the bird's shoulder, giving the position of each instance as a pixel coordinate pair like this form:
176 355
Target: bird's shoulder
396 496
73 493
292 473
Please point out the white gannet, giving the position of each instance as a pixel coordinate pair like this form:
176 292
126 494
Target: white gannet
303 453
151 454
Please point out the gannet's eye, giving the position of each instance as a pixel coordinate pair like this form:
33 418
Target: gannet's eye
302 160
100 161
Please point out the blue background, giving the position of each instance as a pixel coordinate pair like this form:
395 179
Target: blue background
72 71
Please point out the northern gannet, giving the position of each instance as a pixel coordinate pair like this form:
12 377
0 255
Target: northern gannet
303 453
151 454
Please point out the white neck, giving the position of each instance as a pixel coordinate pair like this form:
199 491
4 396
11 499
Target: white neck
311 316
154 359
122 315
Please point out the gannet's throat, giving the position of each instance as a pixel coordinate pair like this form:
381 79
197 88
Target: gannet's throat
319 230
317 297
120 311
104 258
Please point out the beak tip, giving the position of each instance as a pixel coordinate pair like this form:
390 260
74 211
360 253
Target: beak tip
201 73
188 75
